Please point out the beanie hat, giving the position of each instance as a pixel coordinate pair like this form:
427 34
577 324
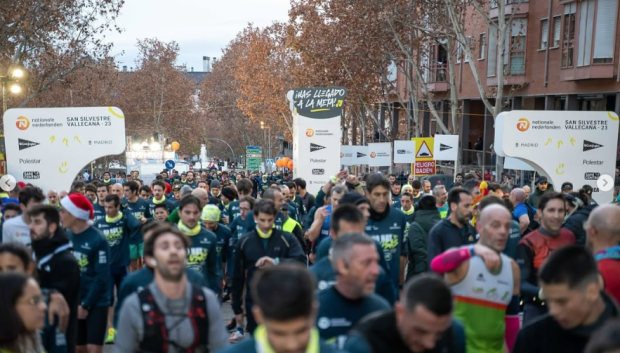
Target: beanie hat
78 206
229 193
215 184
210 213
352 198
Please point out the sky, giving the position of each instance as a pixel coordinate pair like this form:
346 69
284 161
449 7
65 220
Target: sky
200 27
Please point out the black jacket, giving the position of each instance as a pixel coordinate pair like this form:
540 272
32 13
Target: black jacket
377 333
574 223
58 270
445 235
545 335
417 240
249 249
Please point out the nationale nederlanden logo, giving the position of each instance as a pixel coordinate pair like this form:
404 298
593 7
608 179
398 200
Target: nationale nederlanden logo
523 124
310 132
22 123
373 155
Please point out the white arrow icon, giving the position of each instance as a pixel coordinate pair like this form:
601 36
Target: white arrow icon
605 182
7 182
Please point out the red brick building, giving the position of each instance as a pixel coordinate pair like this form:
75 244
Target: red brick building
561 55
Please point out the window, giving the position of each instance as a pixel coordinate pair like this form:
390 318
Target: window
604 38
586 24
557 28
438 59
544 33
516 63
568 36
482 46
492 62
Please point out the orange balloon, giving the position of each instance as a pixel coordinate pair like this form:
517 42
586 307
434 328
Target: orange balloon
280 163
286 160
175 146
289 165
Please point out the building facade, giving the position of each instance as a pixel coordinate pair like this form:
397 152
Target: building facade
560 55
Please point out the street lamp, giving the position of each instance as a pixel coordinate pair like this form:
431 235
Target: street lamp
13 80
262 126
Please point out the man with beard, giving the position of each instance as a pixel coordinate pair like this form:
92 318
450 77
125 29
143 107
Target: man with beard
191 181
387 226
158 188
189 315
455 230
542 186
52 198
58 269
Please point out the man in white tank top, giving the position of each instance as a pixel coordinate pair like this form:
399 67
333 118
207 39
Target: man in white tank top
485 284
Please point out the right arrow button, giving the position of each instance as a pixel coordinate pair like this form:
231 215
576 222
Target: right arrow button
605 182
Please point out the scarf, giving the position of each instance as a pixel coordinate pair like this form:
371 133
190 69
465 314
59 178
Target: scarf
263 346
190 232
114 219
157 202
407 213
264 235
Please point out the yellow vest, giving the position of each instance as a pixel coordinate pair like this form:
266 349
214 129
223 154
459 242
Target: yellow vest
289 225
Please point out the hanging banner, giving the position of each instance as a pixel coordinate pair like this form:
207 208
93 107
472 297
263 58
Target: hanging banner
567 146
360 155
424 159
346 155
48 147
380 154
446 147
404 151
316 133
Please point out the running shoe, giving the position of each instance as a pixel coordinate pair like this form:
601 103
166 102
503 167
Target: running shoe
237 336
111 336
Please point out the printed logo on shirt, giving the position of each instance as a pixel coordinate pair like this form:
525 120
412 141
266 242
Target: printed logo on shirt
480 278
326 284
103 257
323 323
395 226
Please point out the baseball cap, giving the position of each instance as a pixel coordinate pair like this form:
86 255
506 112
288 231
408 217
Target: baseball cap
567 186
541 179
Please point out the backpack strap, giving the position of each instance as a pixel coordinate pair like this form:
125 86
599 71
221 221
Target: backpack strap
155 338
199 319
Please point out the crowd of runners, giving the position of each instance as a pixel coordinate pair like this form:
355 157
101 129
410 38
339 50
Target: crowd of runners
371 263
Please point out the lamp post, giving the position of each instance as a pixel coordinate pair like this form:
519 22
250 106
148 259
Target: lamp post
234 157
13 81
263 127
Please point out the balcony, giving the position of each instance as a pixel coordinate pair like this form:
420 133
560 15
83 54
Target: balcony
587 72
514 80
437 78
519 7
